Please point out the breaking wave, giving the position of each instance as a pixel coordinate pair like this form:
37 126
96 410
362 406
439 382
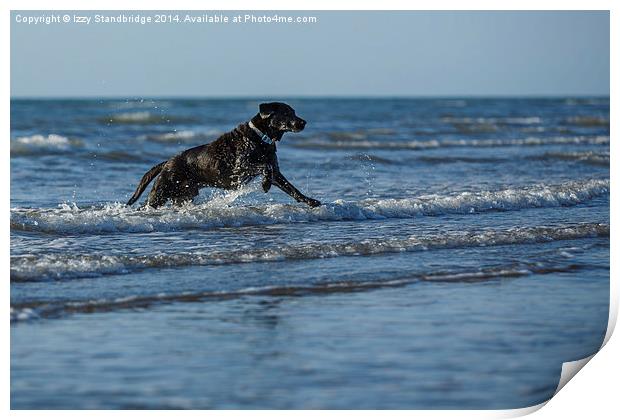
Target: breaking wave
39 144
493 120
588 121
217 213
30 268
360 134
33 310
593 158
143 117
317 143
598 158
182 136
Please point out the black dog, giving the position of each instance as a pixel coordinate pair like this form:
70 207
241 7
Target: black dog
232 160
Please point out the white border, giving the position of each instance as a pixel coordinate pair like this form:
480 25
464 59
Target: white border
594 390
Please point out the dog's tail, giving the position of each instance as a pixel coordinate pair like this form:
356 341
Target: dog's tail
146 179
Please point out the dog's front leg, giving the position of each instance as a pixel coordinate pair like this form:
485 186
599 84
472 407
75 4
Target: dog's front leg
281 182
267 178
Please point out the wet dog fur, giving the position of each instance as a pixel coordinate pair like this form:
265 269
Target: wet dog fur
229 162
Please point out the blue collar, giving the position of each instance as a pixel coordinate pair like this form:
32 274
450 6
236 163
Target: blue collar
264 137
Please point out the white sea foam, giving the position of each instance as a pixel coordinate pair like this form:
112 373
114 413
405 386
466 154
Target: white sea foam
35 144
221 213
435 144
588 120
182 136
29 311
143 117
598 158
23 314
62 266
139 103
133 117
493 120
174 136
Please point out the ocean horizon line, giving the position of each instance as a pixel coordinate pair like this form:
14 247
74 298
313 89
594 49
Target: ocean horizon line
305 97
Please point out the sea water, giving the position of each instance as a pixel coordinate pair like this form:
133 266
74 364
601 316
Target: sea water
460 256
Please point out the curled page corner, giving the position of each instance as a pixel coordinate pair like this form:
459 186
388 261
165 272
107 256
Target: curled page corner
570 369
520 412
613 315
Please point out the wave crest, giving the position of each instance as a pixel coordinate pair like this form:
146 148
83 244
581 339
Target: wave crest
220 213
317 143
591 157
30 268
40 144
143 117
182 136
588 121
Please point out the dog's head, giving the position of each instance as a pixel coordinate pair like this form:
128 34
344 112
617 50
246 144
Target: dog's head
278 116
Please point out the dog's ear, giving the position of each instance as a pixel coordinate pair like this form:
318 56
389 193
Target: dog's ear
266 110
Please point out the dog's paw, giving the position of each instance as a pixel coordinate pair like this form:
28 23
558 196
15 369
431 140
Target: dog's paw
313 203
266 186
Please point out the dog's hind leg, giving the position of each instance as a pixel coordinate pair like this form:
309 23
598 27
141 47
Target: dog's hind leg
172 186
163 189
185 194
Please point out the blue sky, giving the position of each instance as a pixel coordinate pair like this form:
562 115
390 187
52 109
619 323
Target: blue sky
343 54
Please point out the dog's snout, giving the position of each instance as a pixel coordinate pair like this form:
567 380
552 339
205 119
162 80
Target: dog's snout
300 124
